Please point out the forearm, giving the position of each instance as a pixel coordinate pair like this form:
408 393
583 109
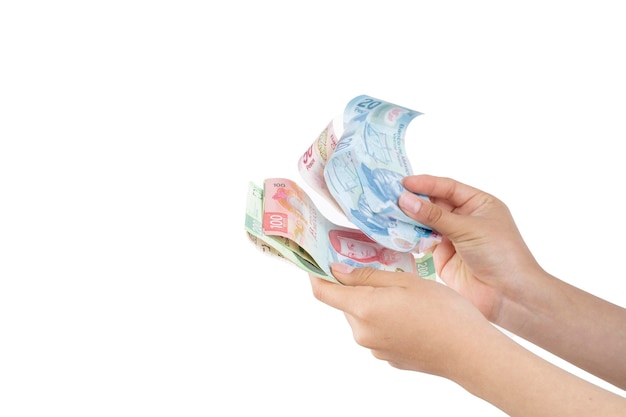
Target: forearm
583 329
520 383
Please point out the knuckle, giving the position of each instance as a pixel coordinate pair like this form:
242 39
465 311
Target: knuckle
364 338
433 214
378 354
366 275
318 292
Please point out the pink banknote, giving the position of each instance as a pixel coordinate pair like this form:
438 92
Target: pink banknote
289 212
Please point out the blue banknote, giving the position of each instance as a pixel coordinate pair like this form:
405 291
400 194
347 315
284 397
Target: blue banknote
364 172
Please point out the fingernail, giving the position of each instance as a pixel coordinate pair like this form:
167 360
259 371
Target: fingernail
341 268
410 202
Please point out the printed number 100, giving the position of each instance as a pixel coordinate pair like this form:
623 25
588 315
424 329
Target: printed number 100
276 221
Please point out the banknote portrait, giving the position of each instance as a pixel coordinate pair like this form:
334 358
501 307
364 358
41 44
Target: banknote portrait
358 247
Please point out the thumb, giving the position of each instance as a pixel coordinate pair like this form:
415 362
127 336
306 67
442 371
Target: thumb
365 276
430 214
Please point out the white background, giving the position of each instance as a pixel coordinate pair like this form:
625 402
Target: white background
129 131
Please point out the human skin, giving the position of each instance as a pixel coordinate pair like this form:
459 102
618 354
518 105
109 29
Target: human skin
422 325
484 258
490 276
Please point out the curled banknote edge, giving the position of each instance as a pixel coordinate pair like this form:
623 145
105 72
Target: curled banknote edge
283 221
361 172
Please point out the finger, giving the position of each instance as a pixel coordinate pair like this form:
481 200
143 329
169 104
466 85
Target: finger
441 188
358 285
442 253
335 295
370 277
431 215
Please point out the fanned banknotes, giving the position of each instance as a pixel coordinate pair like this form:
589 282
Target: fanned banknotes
283 221
277 246
359 171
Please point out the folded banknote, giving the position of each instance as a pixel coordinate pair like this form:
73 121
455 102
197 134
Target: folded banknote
283 221
277 246
361 172
357 164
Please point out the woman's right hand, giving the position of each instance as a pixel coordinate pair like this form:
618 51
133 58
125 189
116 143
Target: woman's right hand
482 254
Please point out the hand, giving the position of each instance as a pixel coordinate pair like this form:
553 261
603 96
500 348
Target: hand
412 323
482 256
425 326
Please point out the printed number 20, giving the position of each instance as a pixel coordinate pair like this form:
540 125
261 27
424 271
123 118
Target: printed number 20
369 103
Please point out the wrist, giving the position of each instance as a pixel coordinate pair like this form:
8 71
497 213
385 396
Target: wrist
526 300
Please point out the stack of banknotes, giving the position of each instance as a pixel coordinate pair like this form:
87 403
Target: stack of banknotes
360 173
